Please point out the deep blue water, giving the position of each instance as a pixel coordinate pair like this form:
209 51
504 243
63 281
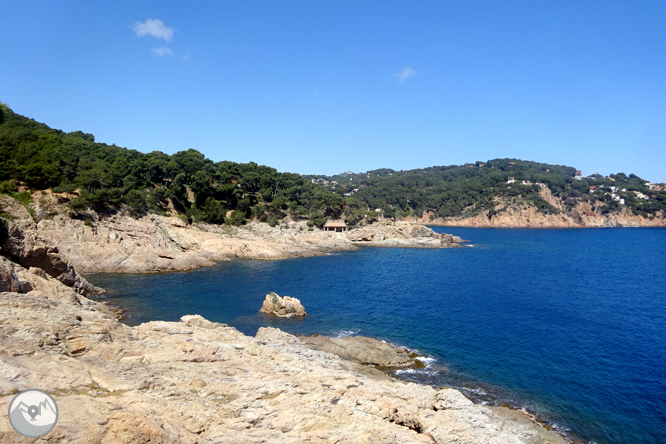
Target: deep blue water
570 324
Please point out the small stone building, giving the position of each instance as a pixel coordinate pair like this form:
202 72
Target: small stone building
335 225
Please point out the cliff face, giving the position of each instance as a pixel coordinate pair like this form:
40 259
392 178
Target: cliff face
583 215
530 217
28 251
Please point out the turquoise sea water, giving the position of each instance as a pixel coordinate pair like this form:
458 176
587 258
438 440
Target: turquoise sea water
570 324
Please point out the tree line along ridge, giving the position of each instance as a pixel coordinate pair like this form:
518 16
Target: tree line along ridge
101 177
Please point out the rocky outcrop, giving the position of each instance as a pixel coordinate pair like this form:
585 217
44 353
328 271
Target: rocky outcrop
9 280
35 282
402 234
282 306
364 350
31 252
115 242
197 381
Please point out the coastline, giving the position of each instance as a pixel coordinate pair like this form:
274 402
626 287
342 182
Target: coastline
479 393
118 243
276 235
229 387
584 215
420 365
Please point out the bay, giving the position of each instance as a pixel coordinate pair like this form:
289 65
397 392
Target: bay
569 324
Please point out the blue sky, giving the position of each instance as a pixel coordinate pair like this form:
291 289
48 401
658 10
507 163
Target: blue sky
329 86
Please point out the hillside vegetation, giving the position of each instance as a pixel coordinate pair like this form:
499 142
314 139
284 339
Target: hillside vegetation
92 175
106 177
466 190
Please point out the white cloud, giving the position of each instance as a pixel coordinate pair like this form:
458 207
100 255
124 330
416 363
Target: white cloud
155 28
162 51
404 74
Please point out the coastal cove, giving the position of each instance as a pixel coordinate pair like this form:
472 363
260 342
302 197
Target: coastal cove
566 323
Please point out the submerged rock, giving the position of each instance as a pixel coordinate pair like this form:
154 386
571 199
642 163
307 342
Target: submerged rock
282 306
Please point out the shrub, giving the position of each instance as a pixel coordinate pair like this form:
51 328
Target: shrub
136 202
8 187
212 211
237 218
79 203
65 188
24 198
319 221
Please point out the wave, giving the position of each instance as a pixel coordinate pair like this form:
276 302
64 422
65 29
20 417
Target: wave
416 372
427 361
345 333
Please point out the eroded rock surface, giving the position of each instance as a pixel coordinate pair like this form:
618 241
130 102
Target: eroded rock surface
402 234
26 248
117 243
282 306
197 381
582 215
362 349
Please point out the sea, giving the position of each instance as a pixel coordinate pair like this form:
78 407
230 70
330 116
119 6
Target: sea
567 324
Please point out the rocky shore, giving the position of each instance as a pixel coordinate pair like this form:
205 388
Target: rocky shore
196 381
118 243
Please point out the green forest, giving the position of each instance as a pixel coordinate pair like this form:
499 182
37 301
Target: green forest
105 178
466 190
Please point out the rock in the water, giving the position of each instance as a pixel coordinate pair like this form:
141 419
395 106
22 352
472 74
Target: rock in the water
282 306
362 349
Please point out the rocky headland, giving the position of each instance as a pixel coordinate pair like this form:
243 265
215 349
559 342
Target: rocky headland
402 234
530 217
116 242
511 215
